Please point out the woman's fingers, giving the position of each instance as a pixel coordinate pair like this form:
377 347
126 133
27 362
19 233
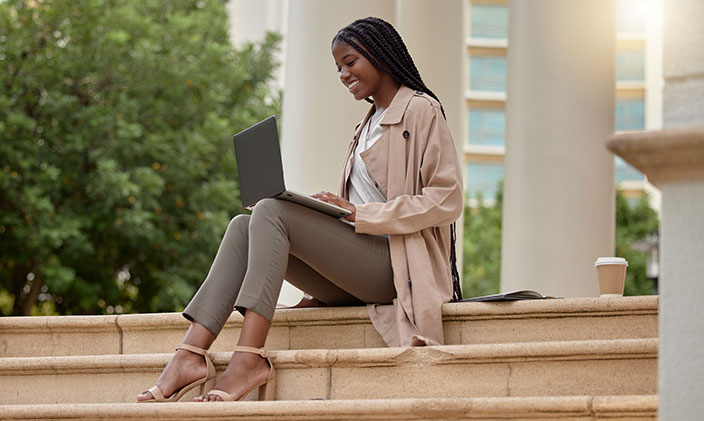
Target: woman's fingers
325 196
339 201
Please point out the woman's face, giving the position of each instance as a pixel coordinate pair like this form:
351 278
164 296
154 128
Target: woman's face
357 73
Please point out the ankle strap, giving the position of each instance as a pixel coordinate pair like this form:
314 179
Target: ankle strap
261 351
191 348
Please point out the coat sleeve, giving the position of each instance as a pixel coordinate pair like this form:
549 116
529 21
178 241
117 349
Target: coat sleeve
438 202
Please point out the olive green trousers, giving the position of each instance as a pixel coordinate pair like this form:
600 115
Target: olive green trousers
317 253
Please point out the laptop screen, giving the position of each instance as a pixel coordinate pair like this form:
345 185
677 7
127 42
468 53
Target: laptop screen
259 166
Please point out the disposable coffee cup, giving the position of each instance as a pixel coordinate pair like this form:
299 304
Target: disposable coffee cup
611 272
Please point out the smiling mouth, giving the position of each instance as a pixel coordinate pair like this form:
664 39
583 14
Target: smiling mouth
352 85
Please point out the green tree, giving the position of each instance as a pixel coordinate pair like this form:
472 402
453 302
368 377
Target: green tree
117 177
635 221
482 247
482 244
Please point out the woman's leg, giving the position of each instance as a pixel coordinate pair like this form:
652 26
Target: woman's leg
245 369
357 264
209 308
213 303
184 367
312 250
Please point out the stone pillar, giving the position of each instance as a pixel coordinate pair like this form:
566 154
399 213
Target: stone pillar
681 150
558 212
683 64
319 115
681 365
674 160
435 39
249 20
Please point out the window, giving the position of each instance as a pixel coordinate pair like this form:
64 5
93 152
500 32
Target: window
487 73
489 21
484 178
630 65
625 172
487 126
630 114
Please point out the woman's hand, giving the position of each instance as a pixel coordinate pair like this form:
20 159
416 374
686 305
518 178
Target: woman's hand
338 201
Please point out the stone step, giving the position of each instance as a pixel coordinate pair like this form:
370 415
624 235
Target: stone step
601 367
642 407
337 328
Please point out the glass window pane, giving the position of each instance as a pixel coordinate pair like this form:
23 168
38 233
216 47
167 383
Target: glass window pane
489 21
625 172
630 65
487 126
484 178
630 114
487 73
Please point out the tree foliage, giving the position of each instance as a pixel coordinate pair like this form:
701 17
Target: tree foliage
635 221
117 177
482 247
482 244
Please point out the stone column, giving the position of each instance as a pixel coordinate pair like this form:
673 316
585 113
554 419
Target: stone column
319 115
249 20
558 212
435 39
683 64
674 160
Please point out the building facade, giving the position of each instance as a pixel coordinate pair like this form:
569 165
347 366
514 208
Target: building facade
638 91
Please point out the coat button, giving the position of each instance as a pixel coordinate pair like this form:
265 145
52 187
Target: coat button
406 135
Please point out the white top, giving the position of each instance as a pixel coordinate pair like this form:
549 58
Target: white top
363 189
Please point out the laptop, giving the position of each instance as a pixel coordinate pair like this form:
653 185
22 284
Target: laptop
261 171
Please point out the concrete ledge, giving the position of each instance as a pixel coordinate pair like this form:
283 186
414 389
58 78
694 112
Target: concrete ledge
59 334
370 357
530 369
647 304
532 408
663 155
339 327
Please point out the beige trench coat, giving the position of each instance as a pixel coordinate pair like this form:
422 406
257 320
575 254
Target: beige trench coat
415 165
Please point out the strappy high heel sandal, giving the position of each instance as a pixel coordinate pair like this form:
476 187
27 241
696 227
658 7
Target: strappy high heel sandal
205 383
267 388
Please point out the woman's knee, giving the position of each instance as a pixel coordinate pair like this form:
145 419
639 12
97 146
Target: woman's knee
268 208
238 225
267 205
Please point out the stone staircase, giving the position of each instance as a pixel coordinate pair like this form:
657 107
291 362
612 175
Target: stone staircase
587 358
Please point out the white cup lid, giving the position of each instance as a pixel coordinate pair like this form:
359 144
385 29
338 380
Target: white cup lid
610 261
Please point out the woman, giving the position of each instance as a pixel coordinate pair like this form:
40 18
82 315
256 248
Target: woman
402 183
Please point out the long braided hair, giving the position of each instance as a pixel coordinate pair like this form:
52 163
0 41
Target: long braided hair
380 43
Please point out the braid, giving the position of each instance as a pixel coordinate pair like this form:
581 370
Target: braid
382 45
